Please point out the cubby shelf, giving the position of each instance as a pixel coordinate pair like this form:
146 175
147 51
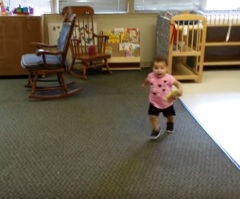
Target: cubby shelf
185 51
218 51
124 60
221 61
183 72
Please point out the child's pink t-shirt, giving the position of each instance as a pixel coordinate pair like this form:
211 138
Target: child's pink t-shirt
159 88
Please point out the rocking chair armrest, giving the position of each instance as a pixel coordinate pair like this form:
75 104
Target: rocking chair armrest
40 52
41 45
101 36
43 53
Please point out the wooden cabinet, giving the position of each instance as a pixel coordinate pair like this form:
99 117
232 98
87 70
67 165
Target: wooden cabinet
16 35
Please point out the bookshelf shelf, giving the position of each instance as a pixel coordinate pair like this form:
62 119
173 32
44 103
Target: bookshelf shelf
124 60
222 61
185 51
183 72
225 43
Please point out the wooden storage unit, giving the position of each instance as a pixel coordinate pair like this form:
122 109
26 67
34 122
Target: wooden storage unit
219 51
222 46
123 37
16 35
181 38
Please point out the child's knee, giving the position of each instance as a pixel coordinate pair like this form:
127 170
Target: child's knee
170 118
153 117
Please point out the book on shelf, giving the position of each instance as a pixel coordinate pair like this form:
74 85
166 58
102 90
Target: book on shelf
109 50
133 35
113 38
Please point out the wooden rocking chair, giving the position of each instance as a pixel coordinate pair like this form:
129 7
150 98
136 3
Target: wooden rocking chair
50 62
86 46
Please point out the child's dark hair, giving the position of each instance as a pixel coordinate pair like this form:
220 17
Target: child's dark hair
160 59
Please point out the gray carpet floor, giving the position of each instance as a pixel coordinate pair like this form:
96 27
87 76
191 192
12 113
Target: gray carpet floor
95 144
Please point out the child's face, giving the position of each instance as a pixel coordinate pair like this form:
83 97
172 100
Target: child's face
160 68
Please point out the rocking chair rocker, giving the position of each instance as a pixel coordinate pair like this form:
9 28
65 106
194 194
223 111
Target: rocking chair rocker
50 62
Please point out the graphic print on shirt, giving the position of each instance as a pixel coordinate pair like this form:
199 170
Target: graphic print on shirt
159 88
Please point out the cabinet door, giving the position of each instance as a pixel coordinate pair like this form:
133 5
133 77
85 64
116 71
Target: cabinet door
10 42
32 33
16 34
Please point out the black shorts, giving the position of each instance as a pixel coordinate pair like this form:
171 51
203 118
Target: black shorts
166 112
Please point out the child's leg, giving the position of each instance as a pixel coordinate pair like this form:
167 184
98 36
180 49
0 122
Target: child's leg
170 124
154 122
153 113
170 119
169 113
155 128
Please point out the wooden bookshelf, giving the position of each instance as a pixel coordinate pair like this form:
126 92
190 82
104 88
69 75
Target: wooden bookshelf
119 43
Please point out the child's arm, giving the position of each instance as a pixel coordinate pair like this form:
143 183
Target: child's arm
178 86
146 82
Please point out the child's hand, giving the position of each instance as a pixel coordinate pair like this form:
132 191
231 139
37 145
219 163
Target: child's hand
172 96
143 85
179 92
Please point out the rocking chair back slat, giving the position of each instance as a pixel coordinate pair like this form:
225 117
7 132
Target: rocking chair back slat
84 28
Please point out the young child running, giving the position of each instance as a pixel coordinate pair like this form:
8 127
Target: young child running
161 85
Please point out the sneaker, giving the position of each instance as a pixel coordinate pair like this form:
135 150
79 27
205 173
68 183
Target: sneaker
155 134
170 127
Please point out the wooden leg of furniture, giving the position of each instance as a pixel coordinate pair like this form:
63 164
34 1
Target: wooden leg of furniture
63 83
72 64
199 78
85 70
34 83
71 70
29 84
107 65
59 79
